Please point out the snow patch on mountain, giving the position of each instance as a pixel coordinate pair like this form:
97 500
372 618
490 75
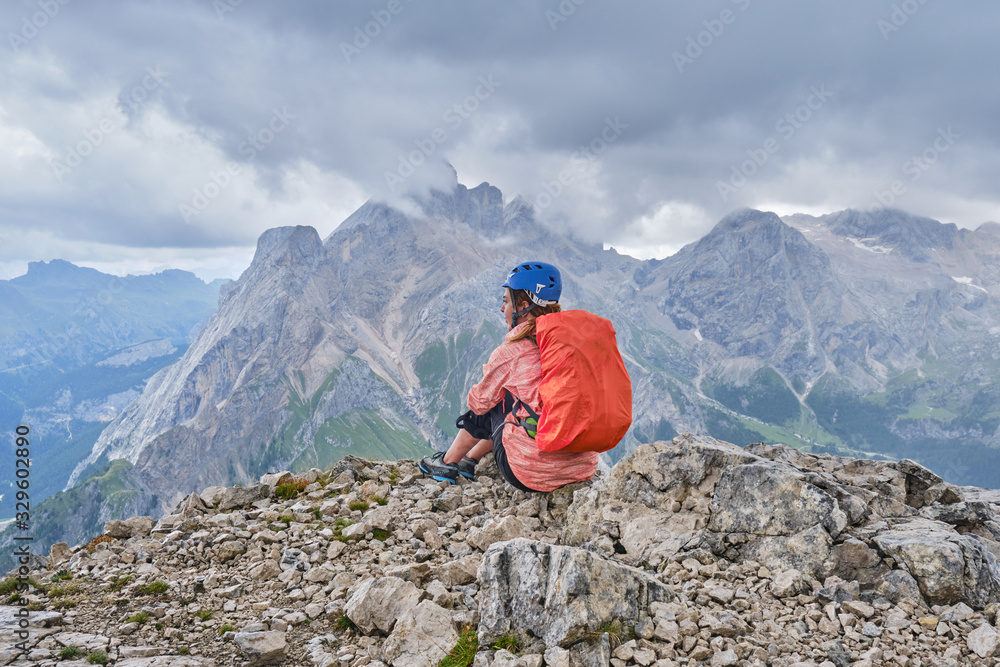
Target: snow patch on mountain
863 244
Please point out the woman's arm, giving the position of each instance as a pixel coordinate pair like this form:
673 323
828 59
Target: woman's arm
496 375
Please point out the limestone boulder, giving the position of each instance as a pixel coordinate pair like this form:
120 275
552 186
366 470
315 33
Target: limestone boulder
809 550
458 572
139 526
273 479
117 529
984 641
789 583
558 594
378 603
497 529
166 661
656 500
949 567
241 496
262 648
423 635
212 495
59 554
771 499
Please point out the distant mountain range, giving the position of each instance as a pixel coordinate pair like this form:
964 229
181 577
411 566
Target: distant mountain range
76 347
856 333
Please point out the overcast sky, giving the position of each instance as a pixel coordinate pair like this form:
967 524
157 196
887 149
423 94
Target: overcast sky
136 136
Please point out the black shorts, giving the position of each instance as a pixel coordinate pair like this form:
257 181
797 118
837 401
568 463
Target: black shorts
490 427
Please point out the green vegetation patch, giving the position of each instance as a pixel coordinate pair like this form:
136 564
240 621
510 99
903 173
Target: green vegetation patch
509 642
289 490
464 652
70 652
98 658
158 587
344 623
765 397
141 618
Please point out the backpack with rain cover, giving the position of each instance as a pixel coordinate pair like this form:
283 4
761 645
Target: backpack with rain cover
586 393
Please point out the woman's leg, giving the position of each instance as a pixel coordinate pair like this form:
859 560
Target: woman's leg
466 444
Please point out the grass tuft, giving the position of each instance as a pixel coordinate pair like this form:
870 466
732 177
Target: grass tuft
158 587
12 585
509 642
618 634
70 652
344 622
98 658
120 581
63 591
139 618
464 652
292 489
358 505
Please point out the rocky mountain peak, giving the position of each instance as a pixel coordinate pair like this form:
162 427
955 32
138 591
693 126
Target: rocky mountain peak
760 233
749 285
686 552
989 228
891 228
283 245
480 207
56 271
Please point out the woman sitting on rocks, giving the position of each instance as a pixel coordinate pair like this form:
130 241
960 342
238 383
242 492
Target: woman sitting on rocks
506 401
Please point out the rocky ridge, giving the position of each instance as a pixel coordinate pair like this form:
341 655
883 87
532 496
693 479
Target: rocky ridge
690 552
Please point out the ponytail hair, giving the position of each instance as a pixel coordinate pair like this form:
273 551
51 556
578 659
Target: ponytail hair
519 296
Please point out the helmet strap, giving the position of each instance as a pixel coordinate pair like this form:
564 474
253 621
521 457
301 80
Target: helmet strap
519 313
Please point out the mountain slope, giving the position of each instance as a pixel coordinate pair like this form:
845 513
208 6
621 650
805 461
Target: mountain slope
76 346
767 329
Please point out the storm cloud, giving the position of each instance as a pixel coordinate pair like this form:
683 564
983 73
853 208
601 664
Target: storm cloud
140 135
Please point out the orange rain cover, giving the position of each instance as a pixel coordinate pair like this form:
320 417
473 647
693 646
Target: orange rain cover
585 390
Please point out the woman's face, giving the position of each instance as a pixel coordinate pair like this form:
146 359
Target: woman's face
507 308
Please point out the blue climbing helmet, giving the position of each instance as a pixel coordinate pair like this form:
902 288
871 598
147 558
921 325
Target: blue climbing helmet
540 280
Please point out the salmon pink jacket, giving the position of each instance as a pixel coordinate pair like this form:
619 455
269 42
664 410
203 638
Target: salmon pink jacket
516 366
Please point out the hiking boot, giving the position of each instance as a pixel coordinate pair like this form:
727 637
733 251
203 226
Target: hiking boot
466 467
438 469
